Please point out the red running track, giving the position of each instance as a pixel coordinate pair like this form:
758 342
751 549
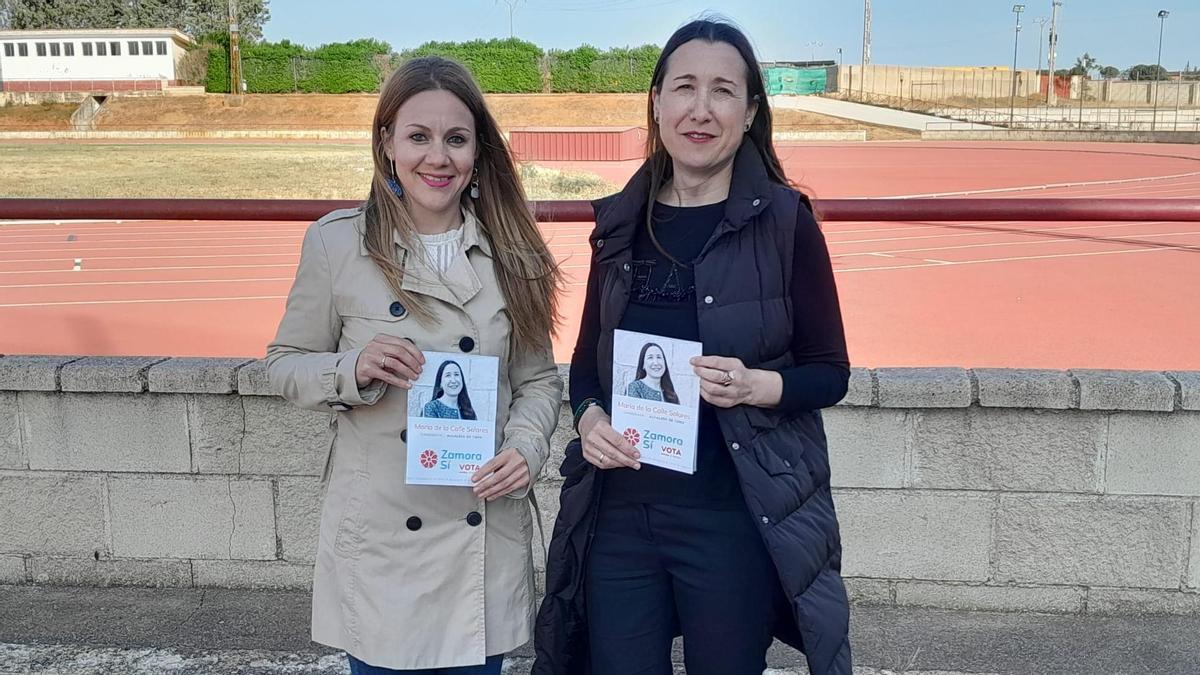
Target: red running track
1050 295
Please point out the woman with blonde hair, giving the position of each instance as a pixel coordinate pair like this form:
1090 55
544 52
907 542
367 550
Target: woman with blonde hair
443 256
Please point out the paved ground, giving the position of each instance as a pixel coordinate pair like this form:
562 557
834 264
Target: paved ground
77 631
862 112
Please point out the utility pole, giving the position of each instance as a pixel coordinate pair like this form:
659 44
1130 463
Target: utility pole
235 51
866 59
1052 95
512 9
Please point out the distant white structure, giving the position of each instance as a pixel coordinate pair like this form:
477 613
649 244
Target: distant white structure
91 60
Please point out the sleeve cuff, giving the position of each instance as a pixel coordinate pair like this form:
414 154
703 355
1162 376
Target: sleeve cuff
528 447
346 384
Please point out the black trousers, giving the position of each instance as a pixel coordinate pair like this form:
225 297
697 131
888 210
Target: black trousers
653 567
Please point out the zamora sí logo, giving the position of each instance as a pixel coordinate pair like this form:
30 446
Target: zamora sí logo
633 436
429 459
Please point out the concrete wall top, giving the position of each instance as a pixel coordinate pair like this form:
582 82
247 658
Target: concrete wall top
1080 389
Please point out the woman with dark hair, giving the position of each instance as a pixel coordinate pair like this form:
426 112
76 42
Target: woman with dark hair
653 379
450 398
708 242
444 254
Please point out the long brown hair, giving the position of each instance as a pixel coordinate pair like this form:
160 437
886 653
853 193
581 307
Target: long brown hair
759 134
529 277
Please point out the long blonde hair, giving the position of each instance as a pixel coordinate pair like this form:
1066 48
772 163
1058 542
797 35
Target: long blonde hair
529 277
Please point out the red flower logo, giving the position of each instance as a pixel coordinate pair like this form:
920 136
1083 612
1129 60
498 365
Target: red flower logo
633 436
429 459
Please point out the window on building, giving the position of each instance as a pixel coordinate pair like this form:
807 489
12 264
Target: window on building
87 49
9 49
55 49
161 46
68 49
41 48
22 49
115 48
147 47
101 49
133 48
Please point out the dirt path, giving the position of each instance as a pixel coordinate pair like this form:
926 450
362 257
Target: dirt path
356 111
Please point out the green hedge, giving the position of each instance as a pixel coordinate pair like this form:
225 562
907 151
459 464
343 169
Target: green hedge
283 67
500 66
587 69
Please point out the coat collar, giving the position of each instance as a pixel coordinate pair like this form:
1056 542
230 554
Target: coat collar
473 235
461 282
618 216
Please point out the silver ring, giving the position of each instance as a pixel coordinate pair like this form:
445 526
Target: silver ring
383 362
728 378
603 458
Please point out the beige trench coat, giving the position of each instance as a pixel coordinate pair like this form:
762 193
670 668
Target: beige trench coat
411 577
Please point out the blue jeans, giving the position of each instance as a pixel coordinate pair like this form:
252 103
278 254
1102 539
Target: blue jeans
491 667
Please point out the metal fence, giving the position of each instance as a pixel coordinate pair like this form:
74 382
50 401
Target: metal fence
1021 99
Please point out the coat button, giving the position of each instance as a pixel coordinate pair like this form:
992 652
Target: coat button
397 309
413 523
736 446
404 435
756 202
787 464
708 299
474 519
766 520
626 267
599 243
466 344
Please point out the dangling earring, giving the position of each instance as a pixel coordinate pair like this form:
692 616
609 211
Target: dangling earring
475 184
393 183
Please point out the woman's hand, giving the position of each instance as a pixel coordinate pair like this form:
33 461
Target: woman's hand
726 382
394 360
603 447
506 472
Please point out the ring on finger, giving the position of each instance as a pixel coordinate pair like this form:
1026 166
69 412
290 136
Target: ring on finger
603 458
728 379
383 362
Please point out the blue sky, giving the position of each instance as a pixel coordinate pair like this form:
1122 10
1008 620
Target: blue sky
908 32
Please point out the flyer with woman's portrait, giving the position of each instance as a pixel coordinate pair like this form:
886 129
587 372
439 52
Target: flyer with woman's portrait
452 419
656 398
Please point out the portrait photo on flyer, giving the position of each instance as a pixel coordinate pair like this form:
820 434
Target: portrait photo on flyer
451 419
656 398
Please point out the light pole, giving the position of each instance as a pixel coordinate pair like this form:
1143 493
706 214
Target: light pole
1012 102
1041 21
1162 22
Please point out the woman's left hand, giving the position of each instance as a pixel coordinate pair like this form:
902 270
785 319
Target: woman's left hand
726 382
505 473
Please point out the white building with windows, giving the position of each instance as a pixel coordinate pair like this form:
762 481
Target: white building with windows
91 60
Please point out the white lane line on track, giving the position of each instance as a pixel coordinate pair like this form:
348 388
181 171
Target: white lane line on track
1012 259
148 282
96 270
138 302
1072 240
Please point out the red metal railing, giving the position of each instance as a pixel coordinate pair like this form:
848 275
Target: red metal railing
931 210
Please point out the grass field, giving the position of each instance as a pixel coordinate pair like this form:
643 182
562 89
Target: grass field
224 171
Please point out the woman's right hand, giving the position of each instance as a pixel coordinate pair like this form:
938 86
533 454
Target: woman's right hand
603 447
393 360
